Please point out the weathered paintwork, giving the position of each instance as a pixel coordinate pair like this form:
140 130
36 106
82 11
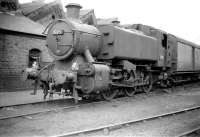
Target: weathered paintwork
68 36
127 44
197 58
152 32
172 52
184 58
175 53
93 77
63 68
188 55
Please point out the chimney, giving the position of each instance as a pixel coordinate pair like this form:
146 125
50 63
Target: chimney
9 5
73 10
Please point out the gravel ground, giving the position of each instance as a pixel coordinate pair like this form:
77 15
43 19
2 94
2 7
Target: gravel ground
37 107
89 116
22 97
164 127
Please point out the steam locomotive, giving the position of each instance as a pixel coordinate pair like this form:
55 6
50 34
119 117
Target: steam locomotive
108 59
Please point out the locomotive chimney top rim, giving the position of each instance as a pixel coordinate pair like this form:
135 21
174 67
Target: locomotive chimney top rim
73 10
76 5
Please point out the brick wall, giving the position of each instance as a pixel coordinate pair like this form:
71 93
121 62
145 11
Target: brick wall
14 56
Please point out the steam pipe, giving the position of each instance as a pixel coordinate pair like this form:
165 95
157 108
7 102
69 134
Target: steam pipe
88 56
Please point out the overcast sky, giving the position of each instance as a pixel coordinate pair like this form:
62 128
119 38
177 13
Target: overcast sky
178 17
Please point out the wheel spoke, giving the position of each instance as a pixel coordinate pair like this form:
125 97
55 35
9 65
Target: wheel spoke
147 88
130 91
109 94
148 84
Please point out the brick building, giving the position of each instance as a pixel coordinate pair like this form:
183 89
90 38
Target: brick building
42 12
21 42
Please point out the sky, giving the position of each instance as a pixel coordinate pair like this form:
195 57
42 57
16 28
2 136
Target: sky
178 17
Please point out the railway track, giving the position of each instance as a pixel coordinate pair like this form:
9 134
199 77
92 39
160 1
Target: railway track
111 127
35 108
83 108
37 112
31 103
189 132
42 107
48 107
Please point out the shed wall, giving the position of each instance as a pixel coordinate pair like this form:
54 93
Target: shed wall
14 57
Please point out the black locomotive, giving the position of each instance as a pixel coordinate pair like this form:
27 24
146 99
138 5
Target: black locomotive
107 59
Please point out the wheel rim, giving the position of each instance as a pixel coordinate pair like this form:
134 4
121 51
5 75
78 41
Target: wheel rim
147 88
109 94
130 92
148 85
